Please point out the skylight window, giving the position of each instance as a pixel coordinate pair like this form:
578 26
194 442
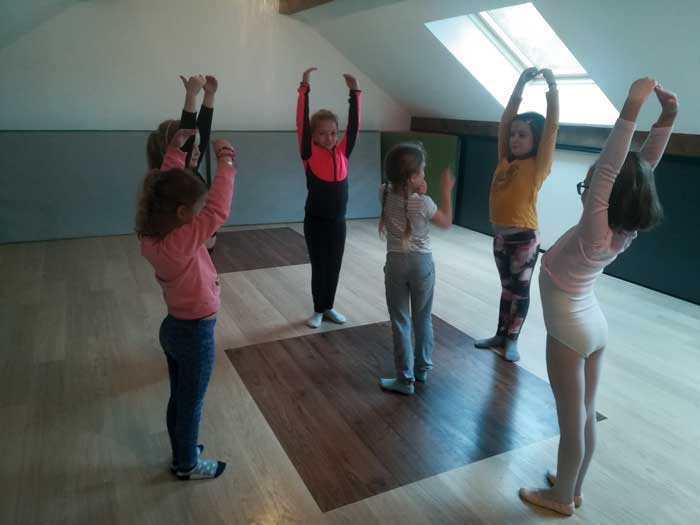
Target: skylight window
497 45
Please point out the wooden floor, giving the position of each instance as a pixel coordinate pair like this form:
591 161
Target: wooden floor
349 440
260 248
83 386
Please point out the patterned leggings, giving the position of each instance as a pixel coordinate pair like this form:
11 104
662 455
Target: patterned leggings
516 255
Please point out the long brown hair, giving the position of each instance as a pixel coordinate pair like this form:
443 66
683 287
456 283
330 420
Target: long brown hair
634 203
162 194
400 164
158 142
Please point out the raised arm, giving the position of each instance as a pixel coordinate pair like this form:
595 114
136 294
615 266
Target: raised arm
350 137
193 86
188 118
206 115
303 124
512 110
655 144
548 142
443 216
189 237
594 219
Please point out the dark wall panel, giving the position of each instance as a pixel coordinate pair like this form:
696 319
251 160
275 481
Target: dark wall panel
666 259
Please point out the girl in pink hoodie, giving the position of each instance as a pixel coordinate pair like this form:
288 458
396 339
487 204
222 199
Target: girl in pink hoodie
176 216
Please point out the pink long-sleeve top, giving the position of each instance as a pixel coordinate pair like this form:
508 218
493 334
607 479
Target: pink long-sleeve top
182 264
582 253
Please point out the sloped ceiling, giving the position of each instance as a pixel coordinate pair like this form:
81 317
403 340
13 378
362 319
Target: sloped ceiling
616 41
22 16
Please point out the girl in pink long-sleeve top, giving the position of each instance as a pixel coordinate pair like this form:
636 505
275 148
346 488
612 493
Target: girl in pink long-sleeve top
619 199
326 165
176 216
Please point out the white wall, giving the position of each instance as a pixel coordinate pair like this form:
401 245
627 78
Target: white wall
114 64
616 41
558 204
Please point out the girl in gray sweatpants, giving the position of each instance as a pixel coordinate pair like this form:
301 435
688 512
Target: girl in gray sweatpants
409 270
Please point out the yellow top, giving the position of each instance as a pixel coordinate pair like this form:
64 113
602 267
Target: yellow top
513 199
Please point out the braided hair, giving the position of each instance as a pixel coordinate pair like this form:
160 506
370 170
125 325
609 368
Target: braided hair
400 164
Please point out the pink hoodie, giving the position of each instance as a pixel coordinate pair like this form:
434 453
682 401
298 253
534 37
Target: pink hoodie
183 267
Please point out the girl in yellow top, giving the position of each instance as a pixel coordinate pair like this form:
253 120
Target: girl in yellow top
526 145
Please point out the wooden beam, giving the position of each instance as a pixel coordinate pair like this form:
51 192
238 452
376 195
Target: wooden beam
681 144
290 7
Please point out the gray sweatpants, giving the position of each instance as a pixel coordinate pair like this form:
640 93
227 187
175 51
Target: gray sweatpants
410 281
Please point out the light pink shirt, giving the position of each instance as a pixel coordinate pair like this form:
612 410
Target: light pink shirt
183 267
583 252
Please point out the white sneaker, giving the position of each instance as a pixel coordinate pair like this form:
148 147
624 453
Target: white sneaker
315 320
334 316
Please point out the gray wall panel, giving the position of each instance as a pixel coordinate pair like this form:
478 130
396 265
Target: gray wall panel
271 185
65 184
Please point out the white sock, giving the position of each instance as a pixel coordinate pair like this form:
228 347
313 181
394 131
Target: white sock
315 320
334 316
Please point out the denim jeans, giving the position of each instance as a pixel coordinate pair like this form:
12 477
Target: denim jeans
189 350
410 281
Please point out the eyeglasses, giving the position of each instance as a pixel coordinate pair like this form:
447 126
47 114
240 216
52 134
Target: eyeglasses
580 187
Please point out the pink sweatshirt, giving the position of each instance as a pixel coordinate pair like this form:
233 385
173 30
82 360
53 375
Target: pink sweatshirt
183 267
583 252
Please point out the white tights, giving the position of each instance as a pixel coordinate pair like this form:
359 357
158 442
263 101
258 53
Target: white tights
574 381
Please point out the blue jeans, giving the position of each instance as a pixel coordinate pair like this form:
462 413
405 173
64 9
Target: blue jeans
410 281
189 350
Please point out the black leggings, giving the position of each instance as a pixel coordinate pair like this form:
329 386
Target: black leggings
325 240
